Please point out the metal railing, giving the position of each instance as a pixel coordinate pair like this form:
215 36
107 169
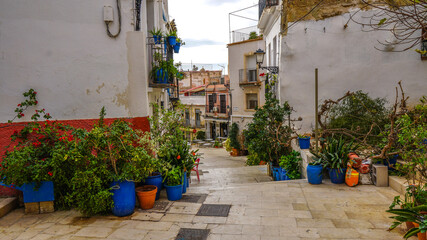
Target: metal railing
266 3
248 76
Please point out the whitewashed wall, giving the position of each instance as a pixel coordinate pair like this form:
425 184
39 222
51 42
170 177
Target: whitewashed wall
347 60
61 49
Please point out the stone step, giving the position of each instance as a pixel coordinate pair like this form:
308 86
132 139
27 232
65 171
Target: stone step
7 205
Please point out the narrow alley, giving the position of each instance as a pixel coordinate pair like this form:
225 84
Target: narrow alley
231 201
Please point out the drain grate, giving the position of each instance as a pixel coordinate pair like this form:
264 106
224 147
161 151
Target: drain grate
214 210
160 206
193 198
192 234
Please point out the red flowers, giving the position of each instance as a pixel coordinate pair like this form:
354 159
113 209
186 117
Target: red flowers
194 130
194 154
179 157
50 174
35 93
19 105
35 129
15 132
36 102
21 114
262 75
37 144
62 138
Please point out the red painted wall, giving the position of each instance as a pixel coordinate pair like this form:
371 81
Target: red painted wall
7 129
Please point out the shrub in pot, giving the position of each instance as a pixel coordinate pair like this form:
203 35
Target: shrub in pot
234 142
334 158
291 163
108 161
314 172
174 184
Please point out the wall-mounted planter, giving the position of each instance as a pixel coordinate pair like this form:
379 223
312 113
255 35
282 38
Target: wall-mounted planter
171 40
177 47
157 39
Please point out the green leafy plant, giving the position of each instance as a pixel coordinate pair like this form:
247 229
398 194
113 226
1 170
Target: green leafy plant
174 177
163 68
217 144
415 195
234 133
291 163
253 35
156 32
407 215
269 135
334 155
360 113
227 145
253 159
172 34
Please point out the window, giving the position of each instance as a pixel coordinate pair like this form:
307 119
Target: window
187 117
252 76
211 103
251 100
198 112
273 63
223 104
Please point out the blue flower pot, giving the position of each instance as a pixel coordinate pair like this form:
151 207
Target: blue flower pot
34 192
174 192
157 39
160 77
391 161
177 47
276 175
157 181
337 175
123 198
283 175
304 143
172 40
314 174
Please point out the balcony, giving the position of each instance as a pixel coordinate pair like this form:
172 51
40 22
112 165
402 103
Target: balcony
266 3
158 51
249 77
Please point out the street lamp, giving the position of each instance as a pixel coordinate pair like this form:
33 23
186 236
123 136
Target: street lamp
260 59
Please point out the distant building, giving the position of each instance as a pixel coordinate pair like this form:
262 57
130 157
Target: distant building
247 89
194 101
217 108
197 78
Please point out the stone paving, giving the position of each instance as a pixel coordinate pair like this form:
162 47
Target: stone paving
260 209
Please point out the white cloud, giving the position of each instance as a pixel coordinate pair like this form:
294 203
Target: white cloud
203 24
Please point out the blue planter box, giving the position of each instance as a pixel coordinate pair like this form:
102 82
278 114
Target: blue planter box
283 175
32 194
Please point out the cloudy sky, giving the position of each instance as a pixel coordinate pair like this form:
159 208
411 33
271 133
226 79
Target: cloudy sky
204 27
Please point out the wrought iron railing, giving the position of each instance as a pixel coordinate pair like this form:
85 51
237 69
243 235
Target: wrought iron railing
248 75
266 3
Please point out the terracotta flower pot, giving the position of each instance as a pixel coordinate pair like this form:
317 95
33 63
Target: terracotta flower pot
421 236
146 196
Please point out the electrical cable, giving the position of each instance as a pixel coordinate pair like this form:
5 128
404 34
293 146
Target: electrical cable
120 22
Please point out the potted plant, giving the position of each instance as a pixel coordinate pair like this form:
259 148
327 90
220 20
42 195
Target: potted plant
334 158
234 142
304 141
314 172
178 45
157 34
174 184
162 70
290 166
217 144
109 160
171 38
413 215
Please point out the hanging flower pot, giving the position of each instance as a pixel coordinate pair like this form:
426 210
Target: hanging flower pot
157 39
177 47
146 196
171 40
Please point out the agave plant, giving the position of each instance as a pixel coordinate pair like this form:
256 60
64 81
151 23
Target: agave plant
335 154
410 215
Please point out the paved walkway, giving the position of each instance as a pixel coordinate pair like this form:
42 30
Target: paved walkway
260 209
